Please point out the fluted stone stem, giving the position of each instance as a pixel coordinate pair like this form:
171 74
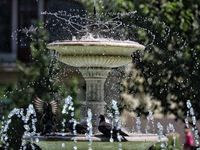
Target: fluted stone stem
95 79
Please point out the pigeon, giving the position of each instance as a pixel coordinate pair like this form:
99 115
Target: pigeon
48 113
105 128
80 129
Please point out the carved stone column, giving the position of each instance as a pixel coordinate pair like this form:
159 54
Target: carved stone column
95 79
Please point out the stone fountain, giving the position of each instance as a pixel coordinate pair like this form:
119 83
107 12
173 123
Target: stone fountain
95 58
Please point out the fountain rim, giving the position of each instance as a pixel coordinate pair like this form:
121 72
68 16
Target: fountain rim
133 137
112 43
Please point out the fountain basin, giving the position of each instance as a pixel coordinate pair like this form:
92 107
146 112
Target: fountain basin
99 142
95 53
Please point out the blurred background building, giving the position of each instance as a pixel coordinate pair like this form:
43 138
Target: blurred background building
18 16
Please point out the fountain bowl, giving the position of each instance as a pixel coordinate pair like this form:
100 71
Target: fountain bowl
95 53
66 141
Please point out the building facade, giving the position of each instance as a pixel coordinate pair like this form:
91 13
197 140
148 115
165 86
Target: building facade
19 15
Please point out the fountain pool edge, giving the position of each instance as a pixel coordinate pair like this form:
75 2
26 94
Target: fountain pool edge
99 142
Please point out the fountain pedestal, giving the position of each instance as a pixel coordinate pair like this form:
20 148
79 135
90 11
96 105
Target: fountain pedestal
95 79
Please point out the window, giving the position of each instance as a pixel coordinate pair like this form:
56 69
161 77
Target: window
27 17
5 26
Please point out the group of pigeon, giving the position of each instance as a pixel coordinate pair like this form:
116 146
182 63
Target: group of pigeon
48 112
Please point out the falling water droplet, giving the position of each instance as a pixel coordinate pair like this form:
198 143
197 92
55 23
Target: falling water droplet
63 144
188 104
111 140
37 140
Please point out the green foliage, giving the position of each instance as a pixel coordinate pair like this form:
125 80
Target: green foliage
168 69
108 6
169 66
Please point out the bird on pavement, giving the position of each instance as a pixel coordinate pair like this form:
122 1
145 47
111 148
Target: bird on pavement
105 128
48 113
